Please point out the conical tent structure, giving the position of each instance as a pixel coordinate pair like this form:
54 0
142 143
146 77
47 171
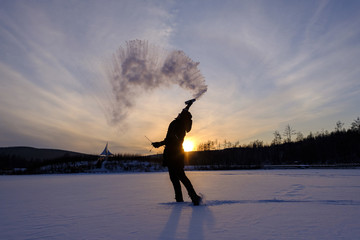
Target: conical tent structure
105 153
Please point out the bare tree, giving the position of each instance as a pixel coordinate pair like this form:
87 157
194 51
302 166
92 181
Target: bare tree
227 144
256 144
339 126
355 126
277 138
310 136
299 137
288 132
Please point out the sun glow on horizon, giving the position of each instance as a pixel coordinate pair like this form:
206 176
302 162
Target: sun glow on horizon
188 145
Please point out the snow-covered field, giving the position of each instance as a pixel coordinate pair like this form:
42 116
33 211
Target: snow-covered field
261 204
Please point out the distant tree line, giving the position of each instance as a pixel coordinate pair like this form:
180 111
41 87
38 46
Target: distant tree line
339 147
13 164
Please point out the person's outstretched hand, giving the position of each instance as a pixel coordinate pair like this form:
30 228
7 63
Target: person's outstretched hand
156 144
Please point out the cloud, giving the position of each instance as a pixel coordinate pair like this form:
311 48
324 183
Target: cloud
295 65
52 91
266 64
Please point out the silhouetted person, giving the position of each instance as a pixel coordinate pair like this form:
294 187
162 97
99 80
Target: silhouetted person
173 156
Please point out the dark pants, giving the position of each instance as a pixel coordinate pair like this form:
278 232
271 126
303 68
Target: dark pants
177 175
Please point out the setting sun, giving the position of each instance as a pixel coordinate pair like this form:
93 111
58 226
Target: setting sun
188 145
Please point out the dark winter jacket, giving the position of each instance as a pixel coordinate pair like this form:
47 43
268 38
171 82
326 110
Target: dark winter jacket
174 152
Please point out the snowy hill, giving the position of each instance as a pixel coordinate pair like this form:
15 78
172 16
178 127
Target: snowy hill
29 153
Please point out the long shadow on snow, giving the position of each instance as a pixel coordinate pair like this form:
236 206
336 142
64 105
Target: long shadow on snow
228 202
330 202
200 216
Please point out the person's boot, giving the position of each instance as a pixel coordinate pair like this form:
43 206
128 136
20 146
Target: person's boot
196 200
179 199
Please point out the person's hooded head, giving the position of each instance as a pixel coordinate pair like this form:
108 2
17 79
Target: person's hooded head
186 118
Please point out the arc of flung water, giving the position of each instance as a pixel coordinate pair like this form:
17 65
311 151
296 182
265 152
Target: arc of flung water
141 66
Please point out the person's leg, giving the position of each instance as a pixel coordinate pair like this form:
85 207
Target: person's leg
189 187
176 184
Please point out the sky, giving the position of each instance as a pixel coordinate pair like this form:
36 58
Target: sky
267 64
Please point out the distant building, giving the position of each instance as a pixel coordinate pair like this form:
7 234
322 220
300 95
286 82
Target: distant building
105 153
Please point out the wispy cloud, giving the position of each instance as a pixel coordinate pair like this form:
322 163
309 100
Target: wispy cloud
296 64
266 64
52 91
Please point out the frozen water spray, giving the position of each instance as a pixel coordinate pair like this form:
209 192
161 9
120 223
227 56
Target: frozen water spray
140 67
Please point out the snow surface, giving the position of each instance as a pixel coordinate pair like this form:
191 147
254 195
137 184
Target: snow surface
258 204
